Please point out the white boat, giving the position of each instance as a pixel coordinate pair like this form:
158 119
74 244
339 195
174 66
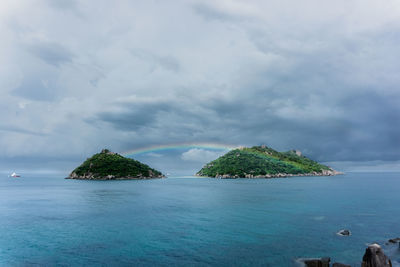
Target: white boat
15 175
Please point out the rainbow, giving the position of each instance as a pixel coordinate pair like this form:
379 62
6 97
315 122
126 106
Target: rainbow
159 148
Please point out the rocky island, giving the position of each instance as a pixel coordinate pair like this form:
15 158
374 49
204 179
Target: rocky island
108 165
263 162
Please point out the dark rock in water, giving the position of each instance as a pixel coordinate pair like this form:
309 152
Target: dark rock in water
315 262
375 257
337 264
344 232
394 240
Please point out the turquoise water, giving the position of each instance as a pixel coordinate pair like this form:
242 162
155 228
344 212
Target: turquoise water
194 221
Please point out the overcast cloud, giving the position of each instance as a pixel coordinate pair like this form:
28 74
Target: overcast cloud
319 76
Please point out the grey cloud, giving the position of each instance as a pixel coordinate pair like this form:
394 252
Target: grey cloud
210 12
167 62
16 129
51 53
62 4
66 6
34 88
133 116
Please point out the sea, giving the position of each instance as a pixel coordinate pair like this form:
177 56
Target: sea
46 220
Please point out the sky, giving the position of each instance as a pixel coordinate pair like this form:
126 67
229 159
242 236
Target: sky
318 76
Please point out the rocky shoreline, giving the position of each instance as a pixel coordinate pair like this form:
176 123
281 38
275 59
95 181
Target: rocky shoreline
91 176
278 175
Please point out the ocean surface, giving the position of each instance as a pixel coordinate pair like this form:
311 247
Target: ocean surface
187 221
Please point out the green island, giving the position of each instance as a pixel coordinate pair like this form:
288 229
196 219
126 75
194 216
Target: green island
108 165
263 162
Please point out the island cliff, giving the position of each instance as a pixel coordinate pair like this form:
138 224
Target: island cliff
263 162
108 165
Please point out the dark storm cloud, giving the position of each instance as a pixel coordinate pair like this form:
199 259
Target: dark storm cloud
133 116
167 119
365 130
129 121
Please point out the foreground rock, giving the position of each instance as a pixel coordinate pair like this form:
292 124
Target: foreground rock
375 257
318 262
314 262
107 165
337 264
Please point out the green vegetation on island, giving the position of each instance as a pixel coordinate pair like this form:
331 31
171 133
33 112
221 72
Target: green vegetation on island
263 162
107 165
